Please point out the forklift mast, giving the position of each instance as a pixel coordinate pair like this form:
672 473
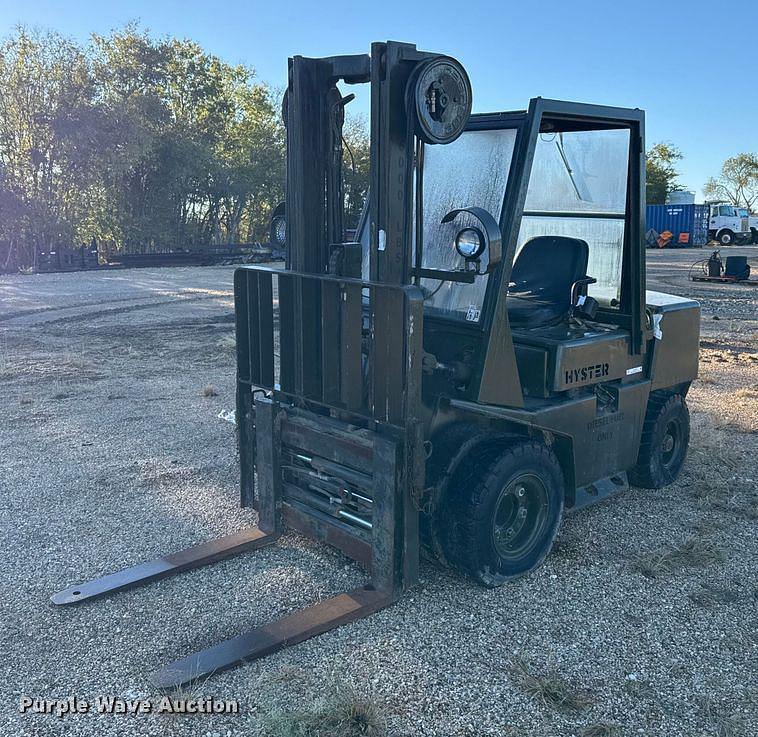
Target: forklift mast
336 444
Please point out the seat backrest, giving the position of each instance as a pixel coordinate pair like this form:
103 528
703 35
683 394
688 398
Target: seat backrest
548 265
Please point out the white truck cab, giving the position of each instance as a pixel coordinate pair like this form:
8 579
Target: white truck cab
726 225
752 222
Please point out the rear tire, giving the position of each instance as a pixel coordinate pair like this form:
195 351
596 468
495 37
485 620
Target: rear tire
665 439
502 525
754 232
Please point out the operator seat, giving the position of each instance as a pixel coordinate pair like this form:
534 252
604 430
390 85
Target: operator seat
543 278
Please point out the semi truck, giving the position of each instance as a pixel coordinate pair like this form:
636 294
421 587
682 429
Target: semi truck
727 225
752 222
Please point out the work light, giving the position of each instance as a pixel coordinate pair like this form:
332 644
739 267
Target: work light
470 243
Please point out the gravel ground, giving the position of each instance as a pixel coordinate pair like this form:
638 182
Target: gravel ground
111 453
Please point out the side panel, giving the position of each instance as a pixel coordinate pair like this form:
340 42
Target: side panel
574 358
591 361
605 437
675 354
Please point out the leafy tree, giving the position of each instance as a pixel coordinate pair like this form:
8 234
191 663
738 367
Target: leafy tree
13 214
737 183
251 158
145 143
357 147
661 172
45 88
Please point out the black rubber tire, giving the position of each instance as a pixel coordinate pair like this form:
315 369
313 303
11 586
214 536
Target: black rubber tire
726 238
469 522
459 453
657 465
754 232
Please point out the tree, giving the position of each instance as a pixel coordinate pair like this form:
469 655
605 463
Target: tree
251 159
145 143
357 148
737 183
13 214
661 173
45 87
206 164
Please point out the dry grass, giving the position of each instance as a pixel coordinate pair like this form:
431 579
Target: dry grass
716 475
342 714
288 674
749 510
721 724
59 368
707 380
549 688
209 391
601 729
694 552
192 690
712 461
227 342
710 596
709 446
747 393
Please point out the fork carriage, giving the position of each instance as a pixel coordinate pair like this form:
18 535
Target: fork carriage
332 449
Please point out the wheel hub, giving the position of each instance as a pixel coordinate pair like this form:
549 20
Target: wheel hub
520 514
669 443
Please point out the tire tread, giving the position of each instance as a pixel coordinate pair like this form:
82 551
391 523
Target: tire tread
645 473
469 512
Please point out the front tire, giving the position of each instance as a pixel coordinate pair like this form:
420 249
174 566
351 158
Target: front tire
503 524
665 439
726 237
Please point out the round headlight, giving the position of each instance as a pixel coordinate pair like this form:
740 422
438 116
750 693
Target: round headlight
470 243
279 230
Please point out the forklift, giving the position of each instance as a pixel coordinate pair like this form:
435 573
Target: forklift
479 359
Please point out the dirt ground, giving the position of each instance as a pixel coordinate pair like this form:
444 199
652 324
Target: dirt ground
643 621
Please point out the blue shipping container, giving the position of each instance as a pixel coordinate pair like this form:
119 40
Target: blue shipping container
692 219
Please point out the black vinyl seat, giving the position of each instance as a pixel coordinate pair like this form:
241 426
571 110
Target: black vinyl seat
542 279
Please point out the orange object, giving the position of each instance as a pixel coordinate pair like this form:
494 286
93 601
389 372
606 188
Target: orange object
684 238
665 238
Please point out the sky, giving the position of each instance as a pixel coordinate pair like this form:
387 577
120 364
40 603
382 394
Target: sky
692 66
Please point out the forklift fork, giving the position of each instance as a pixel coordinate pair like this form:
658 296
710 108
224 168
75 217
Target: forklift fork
262 641
167 565
257 643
